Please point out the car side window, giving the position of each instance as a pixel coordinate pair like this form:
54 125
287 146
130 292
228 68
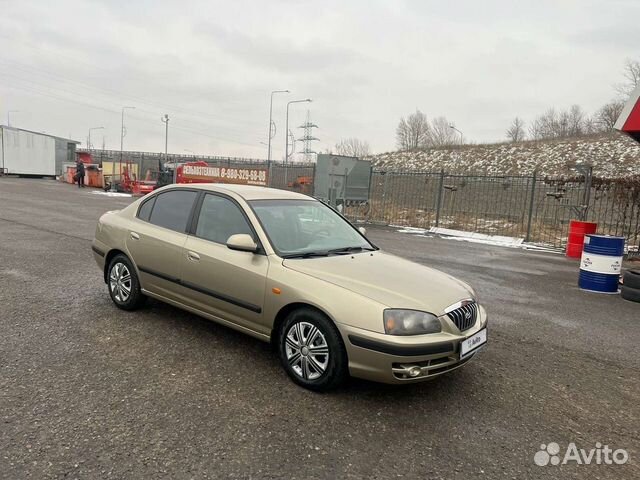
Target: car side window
219 219
172 209
144 213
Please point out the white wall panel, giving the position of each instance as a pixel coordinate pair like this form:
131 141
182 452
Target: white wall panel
1 149
28 153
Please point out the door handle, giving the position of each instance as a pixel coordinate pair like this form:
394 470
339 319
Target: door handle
193 256
134 236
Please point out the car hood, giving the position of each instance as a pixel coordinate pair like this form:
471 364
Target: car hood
390 280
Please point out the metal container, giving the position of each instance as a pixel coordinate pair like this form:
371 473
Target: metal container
340 179
601 263
577 231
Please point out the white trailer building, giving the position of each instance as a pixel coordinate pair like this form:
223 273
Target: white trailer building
23 152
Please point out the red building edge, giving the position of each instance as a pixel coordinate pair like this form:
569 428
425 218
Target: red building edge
629 120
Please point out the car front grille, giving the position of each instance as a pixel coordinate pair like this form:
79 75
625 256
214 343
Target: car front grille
465 316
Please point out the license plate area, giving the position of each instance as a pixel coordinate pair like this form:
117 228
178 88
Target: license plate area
473 343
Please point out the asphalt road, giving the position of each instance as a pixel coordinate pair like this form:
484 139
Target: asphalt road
89 391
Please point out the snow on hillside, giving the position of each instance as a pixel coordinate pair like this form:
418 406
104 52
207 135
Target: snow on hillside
612 155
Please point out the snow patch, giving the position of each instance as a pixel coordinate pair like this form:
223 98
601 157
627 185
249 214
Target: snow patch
111 194
461 236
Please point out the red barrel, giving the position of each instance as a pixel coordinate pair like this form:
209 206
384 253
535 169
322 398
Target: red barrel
577 231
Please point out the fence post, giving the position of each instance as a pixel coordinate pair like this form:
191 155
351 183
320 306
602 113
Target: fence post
587 191
527 238
384 196
313 176
344 189
439 198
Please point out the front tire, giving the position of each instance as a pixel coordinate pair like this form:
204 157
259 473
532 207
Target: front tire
311 350
123 284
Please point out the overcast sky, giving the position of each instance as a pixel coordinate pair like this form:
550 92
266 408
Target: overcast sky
70 65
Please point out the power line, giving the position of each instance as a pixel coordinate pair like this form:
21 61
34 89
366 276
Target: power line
76 60
151 113
142 119
120 95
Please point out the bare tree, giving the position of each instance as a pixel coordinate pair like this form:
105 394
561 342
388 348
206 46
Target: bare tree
515 132
631 78
352 147
535 130
573 122
576 118
413 132
608 114
560 128
558 124
591 125
549 124
442 135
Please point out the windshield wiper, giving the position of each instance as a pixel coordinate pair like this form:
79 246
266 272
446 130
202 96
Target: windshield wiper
306 255
350 250
326 253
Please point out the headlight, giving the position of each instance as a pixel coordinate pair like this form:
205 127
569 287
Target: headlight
410 322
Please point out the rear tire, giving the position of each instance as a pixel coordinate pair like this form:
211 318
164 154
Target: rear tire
123 284
631 279
311 350
631 294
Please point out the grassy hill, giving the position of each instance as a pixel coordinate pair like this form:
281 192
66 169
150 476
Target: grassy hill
613 155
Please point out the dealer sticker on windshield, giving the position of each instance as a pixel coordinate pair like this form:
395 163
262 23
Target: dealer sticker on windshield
472 343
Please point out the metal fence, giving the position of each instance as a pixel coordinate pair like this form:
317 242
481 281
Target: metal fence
151 161
526 206
536 209
293 176
288 176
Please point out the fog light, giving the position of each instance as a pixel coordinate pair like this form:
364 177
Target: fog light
415 371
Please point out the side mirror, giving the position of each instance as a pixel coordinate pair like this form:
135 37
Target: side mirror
363 231
242 242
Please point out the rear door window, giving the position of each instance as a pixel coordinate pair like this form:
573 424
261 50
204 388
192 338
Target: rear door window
144 213
172 209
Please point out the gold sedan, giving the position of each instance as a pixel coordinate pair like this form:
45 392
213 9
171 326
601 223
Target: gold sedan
287 269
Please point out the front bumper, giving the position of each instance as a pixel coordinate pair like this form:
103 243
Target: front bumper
388 359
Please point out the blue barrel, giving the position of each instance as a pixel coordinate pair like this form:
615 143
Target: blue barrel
601 263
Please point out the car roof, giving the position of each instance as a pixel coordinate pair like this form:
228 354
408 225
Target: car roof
248 192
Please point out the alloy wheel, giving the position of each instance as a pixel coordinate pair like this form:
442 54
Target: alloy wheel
306 350
120 282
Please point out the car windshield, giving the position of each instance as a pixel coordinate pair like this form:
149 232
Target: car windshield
307 228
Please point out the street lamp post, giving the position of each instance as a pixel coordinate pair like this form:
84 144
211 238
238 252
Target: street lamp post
9 116
286 139
89 138
122 135
165 120
271 132
454 128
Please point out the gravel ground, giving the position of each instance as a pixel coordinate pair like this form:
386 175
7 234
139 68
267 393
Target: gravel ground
89 391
